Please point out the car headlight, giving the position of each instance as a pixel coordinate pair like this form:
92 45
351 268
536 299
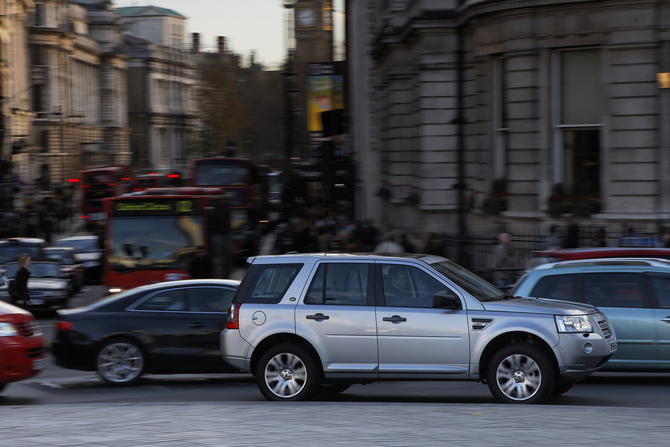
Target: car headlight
7 330
570 323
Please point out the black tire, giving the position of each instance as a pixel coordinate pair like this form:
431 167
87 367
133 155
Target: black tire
520 374
562 388
120 362
288 372
333 389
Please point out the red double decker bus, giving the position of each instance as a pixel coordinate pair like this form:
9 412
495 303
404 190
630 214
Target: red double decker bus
99 183
153 236
243 183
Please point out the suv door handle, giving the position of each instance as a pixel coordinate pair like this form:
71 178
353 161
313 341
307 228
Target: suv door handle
666 319
318 316
394 319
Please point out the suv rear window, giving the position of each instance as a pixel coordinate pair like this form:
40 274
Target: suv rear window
271 282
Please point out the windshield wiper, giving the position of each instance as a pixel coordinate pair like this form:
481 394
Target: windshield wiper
507 296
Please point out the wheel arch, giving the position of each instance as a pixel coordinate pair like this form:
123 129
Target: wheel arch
510 338
276 339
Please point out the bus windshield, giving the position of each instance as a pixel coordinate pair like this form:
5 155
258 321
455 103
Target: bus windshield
154 242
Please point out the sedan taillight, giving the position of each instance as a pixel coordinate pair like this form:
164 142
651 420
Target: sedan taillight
64 326
233 316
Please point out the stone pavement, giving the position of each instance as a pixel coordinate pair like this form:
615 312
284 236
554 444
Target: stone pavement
329 424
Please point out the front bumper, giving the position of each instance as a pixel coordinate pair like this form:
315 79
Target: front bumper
580 355
22 358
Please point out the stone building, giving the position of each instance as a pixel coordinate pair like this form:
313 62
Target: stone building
161 88
564 103
15 115
77 93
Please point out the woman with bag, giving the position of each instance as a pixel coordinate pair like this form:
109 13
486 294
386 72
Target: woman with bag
21 280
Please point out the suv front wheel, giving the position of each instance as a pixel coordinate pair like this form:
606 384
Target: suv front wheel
287 372
520 373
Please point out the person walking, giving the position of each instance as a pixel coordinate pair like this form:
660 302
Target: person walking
21 280
502 257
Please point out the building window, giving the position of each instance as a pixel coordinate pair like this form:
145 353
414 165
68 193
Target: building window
577 121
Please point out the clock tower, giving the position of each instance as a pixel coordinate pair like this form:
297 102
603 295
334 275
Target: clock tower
313 43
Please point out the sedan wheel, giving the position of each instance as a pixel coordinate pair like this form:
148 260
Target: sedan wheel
120 362
520 373
287 372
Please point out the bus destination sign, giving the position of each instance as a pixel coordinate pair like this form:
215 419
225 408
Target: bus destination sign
155 207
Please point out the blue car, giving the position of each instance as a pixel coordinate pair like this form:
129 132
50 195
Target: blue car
633 293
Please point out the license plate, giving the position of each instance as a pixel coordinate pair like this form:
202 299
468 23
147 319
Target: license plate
613 346
37 301
38 364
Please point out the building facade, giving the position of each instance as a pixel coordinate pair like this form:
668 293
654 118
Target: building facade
161 87
76 93
487 114
15 114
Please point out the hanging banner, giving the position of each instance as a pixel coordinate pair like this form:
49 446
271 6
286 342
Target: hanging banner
325 91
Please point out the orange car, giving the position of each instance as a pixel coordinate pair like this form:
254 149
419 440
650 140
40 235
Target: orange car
22 345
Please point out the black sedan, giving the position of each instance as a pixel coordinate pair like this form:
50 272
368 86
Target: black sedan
164 328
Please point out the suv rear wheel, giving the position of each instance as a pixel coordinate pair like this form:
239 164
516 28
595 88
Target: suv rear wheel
287 372
520 373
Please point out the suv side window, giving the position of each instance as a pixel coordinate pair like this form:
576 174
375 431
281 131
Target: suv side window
339 284
613 290
407 286
558 287
661 286
271 283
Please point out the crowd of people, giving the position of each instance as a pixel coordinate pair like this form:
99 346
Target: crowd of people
325 230
40 219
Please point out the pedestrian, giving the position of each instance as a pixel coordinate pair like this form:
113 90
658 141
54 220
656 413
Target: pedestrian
388 245
571 234
600 238
502 261
554 239
201 264
406 243
20 286
432 245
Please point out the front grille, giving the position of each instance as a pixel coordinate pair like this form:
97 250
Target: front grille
34 353
605 327
29 328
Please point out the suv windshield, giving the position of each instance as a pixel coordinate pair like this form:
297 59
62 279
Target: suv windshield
468 281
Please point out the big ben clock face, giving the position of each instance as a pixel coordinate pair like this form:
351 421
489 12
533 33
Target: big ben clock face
306 17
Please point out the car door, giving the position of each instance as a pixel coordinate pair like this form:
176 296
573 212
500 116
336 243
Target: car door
413 337
207 308
337 314
620 296
660 284
160 320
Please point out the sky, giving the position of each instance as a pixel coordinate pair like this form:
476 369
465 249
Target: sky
247 24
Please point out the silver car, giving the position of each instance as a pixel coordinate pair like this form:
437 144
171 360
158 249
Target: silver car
305 324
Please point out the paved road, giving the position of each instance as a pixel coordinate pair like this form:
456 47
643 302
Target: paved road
329 424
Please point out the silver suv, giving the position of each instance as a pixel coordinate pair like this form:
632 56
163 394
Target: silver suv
305 324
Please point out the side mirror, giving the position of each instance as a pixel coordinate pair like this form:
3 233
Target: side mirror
444 300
